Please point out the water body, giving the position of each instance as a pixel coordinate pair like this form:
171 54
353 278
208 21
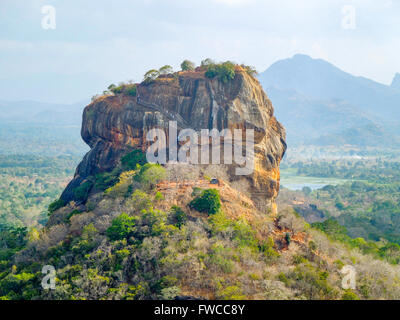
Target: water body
291 181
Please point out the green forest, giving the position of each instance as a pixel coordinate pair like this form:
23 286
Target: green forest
28 184
363 212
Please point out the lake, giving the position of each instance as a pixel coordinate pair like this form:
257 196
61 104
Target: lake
292 181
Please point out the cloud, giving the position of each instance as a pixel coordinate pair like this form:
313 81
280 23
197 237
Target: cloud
120 40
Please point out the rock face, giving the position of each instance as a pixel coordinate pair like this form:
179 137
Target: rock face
114 125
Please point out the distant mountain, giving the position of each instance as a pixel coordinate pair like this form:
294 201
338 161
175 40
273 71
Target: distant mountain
30 127
396 82
307 119
320 79
319 103
39 112
371 135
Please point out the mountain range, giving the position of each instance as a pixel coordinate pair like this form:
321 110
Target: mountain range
320 104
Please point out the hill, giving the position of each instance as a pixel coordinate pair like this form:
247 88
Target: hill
330 104
128 229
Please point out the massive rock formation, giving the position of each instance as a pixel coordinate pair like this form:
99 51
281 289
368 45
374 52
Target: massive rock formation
114 125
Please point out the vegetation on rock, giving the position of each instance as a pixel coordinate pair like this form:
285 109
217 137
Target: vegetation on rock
187 65
209 201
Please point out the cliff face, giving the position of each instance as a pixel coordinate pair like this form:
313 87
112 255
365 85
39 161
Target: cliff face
114 125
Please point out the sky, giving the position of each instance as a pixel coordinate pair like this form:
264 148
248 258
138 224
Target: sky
98 42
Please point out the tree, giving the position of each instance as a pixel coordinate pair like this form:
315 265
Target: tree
151 174
55 205
187 65
209 201
81 193
166 69
224 71
151 75
207 62
179 215
122 227
133 158
250 70
140 201
115 89
130 89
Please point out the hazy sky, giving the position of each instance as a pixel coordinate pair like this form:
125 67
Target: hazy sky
97 42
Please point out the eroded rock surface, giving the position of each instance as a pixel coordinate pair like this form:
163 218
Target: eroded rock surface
114 125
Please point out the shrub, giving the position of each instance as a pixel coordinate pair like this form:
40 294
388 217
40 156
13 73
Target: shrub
331 227
312 281
132 159
122 227
224 71
267 248
231 293
299 259
350 295
89 232
196 191
170 293
15 284
129 89
151 75
166 69
220 257
287 238
187 65
244 234
115 89
282 277
179 216
209 201
219 222
150 174
105 180
55 205
207 62
152 223
164 283
250 70
12 239
81 193
339 205
73 213
123 187
140 201
339 264
159 196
